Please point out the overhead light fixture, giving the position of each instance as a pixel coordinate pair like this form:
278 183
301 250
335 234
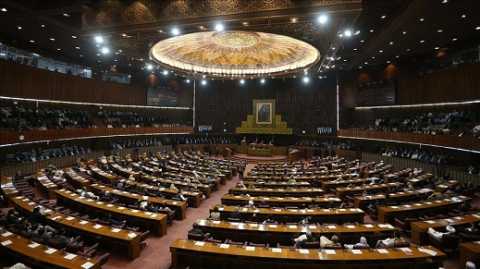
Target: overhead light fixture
347 33
242 81
175 31
149 67
51 39
477 28
4 9
165 72
293 20
245 23
391 43
66 15
464 16
59 49
437 48
383 17
43 25
124 35
306 79
203 82
187 81
74 37
322 19
98 39
404 32
421 19
219 27
262 81
105 50
31 41
440 31
444 1
77 47
422 41
19 27
454 39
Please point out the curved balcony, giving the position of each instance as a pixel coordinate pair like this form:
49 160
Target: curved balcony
465 143
11 137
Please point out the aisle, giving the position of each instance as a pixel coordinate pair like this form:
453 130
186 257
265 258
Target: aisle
157 253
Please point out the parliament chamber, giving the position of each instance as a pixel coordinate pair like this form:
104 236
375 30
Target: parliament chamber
198 134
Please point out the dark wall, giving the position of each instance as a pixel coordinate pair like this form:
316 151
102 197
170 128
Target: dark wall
24 81
224 104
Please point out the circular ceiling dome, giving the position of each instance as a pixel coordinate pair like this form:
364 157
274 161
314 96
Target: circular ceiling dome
230 54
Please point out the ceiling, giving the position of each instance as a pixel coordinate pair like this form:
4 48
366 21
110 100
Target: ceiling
65 29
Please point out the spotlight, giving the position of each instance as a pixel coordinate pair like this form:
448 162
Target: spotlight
165 72
219 27
347 33
322 19
306 79
175 31
149 67
203 82
99 39
262 81
187 81
105 50
242 81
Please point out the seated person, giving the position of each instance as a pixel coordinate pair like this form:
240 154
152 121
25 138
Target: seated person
363 243
439 235
329 243
391 243
241 185
298 241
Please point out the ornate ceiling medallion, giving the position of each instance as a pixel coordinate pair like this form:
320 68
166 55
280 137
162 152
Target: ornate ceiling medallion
233 54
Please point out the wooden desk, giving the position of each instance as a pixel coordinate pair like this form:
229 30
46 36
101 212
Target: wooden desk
35 254
419 228
277 184
8 188
182 185
388 213
109 235
342 192
229 199
156 222
283 234
294 192
180 207
333 184
46 185
331 215
469 251
208 255
396 197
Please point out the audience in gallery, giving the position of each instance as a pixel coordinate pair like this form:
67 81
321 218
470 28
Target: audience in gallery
455 122
41 154
416 154
21 116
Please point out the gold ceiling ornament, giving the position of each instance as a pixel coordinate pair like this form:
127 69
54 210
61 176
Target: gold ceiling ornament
234 54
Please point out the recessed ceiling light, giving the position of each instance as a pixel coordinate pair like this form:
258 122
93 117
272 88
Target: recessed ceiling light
477 28
175 31
59 49
322 19
187 81
242 81
371 30
391 43
66 15
99 39
201 27
454 39
19 27
421 19
203 82
74 36
4 9
437 48
383 17
245 23
397 56
362 41
105 50
463 16
408 49
52 39
77 47
388 62
219 27
373 57
293 20
380 51
404 32
124 35
444 1
31 41
306 79
422 41
262 81
159 30
43 25
355 49
149 67
347 33
165 72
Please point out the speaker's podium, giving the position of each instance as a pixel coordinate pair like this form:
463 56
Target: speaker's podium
264 120
260 149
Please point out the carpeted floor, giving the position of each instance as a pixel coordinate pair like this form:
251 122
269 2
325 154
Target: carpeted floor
157 253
